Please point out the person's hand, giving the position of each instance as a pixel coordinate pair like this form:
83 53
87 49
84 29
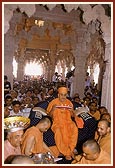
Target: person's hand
78 158
74 162
54 107
71 109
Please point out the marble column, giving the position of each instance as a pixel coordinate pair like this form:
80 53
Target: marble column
63 73
92 74
52 63
21 66
106 98
20 71
79 76
8 56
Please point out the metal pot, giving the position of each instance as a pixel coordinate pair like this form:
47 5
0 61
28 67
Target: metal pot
41 158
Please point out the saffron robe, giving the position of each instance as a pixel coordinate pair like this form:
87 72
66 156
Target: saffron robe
65 130
38 142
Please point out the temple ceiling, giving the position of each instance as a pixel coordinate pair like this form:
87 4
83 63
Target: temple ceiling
46 31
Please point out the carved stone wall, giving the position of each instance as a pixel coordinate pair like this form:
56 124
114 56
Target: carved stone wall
71 31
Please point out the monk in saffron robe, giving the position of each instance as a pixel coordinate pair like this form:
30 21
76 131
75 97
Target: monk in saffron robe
103 135
32 141
93 154
65 130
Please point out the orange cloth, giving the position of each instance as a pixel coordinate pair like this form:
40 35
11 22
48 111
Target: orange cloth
96 115
38 146
104 142
79 121
62 90
103 158
65 130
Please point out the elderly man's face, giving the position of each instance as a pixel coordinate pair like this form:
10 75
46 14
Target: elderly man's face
62 96
15 138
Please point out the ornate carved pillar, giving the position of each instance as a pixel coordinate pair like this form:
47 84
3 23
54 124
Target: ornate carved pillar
79 75
46 71
100 78
52 63
92 73
10 45
21 65
20 71
63 72
106 98
8 56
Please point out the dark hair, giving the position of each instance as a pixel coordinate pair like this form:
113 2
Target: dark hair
51 88
86 98
16 102
8 97
9 159
5 77
94 98
76 97
92 103
103 107
35 97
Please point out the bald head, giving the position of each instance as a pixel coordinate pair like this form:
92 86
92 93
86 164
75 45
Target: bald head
45 120
92 145
44 124
22 159
105 122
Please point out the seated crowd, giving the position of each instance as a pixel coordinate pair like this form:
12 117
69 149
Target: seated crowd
74 129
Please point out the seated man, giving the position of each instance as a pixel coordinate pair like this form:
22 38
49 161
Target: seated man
32 141
106 116
65 130
16 109
93 111
8 101
93 154
36 114
103 135
76 102
12 143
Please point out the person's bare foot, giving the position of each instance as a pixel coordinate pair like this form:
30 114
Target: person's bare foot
68 157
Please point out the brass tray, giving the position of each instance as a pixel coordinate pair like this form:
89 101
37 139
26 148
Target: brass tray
15 123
